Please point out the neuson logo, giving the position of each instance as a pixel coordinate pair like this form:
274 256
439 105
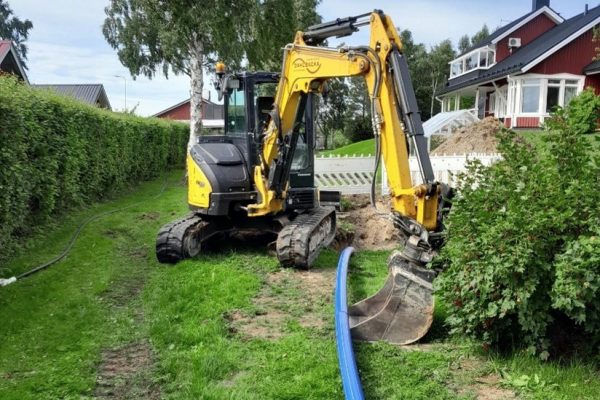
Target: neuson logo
311 65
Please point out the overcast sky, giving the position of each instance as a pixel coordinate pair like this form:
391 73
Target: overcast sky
66 44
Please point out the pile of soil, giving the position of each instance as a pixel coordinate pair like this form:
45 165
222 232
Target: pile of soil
368 229
476 138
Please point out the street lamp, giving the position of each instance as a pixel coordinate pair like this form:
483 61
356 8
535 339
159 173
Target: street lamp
125 82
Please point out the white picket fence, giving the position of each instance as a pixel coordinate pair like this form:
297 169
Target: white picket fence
353 174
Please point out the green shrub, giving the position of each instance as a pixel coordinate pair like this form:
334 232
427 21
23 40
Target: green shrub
521 243
580 115
57 153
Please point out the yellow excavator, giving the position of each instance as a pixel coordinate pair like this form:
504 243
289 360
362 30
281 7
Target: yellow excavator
259 174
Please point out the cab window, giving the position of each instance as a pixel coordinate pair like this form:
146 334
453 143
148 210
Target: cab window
236 113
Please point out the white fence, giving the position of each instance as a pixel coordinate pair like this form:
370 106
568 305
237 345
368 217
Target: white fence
353 175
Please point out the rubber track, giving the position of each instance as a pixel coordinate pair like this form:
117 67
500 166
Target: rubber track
294 239
170 240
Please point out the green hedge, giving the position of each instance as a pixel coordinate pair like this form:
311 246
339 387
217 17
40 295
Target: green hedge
57 153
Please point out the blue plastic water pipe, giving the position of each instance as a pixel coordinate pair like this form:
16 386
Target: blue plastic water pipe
350 378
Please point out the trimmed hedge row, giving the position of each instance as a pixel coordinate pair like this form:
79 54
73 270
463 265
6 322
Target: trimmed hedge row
57 153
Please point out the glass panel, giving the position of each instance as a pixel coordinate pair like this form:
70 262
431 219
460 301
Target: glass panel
572 82
483 55
300 158
552 98
531 82
236 113
471 62
570 92
553 81
490 58
456 68
530 99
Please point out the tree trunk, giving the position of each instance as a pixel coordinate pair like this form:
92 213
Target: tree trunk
433 87
196 87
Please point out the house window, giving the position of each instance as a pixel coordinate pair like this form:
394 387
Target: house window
542 94
553 95
478 59
530 96
571 90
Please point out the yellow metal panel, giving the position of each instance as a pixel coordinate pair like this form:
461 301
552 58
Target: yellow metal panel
199 188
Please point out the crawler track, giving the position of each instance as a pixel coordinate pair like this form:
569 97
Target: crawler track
183 238
300 241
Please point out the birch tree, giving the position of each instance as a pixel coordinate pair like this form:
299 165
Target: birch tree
14 29
189 36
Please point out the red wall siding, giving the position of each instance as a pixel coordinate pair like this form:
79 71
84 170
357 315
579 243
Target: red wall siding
507 122
180 113
572 58
593 81
528 122
527 33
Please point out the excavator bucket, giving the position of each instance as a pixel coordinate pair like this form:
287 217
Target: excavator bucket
402 311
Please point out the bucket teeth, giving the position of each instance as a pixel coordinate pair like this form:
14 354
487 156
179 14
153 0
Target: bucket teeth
402 311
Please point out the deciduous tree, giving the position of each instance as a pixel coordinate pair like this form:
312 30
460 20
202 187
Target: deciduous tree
14 29
186 37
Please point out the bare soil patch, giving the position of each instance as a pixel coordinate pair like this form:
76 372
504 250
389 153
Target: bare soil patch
473 378
476 138
125 373
365 227
286 295
149 216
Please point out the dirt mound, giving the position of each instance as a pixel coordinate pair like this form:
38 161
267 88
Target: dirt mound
370 230
477 138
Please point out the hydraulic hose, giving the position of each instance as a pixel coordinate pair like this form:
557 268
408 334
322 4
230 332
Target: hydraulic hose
67 249
350 378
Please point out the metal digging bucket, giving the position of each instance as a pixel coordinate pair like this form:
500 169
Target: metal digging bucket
402 311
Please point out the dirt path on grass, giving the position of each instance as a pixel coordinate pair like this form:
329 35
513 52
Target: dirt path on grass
287 296
125 371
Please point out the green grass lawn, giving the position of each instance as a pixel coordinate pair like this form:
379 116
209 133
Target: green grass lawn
110 321
364 147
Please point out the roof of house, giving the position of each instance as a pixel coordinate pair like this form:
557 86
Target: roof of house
93 94
179 105
532 53
507 29
10 58
592 68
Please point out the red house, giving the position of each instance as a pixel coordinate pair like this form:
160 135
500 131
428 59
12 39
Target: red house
212 113
524 69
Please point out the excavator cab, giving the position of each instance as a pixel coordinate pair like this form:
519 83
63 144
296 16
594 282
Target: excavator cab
248 104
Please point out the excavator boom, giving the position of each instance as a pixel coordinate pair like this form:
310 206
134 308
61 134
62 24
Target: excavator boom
402 311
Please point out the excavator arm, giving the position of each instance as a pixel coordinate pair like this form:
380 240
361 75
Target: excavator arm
402 311
395 116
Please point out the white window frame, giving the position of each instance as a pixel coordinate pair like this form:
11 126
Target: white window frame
463 60
500 105
492 103
515 90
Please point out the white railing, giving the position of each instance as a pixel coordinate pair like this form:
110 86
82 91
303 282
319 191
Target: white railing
353 174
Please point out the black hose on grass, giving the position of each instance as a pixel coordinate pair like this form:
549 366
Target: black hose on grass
67 250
